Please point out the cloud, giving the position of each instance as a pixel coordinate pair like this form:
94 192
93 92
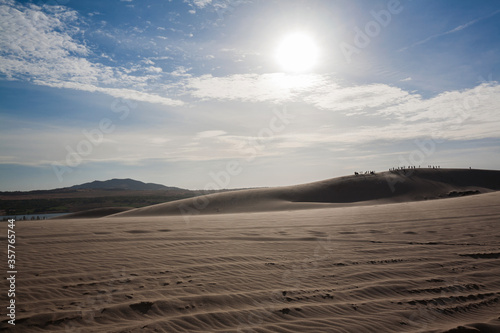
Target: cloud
378 111
199 3
129 94
357 98
181 71
456 115
273 87
209 134
40 44
31 33
221 7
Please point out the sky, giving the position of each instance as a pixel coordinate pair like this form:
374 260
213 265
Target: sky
192 93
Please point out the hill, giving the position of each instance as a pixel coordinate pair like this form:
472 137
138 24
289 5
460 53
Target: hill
94 195
123 184
386 187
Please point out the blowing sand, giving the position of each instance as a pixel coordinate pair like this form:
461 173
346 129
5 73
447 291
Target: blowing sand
422 266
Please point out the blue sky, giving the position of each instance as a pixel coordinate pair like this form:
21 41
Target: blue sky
190 93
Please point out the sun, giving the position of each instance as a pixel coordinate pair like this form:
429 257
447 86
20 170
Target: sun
297 52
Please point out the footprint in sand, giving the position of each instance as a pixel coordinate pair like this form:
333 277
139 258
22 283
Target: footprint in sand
142 307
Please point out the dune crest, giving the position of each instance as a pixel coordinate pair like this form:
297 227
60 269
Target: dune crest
385 187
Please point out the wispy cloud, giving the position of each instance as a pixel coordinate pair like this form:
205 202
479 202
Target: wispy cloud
378 113
40 44
210 134
200 3
357 98
456 29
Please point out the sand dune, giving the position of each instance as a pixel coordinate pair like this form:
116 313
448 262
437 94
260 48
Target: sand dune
386 187
421 266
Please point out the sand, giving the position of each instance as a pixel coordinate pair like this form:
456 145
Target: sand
385 187
415 266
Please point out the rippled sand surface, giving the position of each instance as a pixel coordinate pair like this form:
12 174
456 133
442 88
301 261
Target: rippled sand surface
428 266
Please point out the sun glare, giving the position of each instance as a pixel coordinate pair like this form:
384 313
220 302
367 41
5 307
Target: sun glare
297 53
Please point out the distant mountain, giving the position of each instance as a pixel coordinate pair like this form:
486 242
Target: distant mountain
122 184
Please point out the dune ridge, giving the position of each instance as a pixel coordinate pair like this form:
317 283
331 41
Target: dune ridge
385 187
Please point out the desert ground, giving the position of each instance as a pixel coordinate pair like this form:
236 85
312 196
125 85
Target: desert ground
345 255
